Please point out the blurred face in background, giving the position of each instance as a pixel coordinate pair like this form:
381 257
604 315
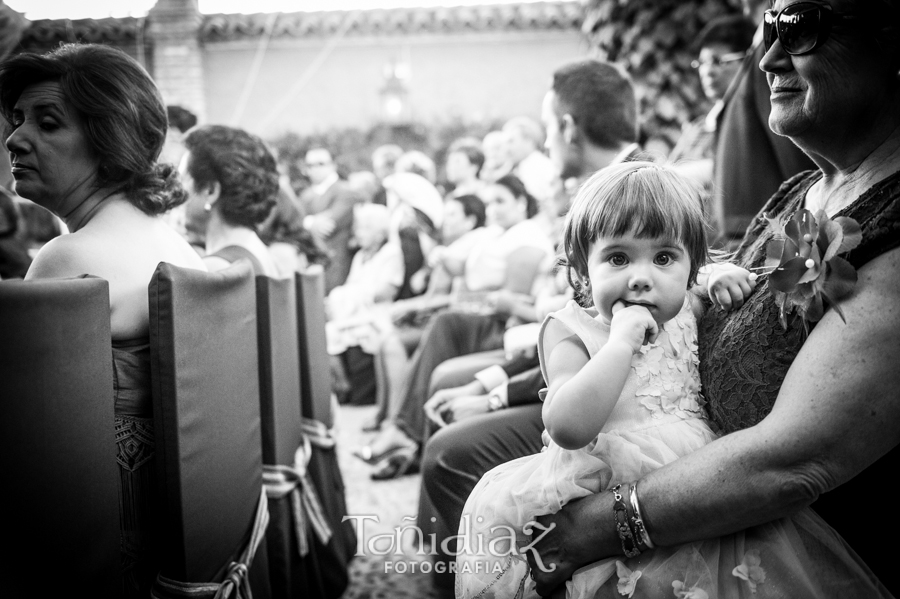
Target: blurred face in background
459 169
503 209
518 147
456 223
719 63
369 233
494 148
319 165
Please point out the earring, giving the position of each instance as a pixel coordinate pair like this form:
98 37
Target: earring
207 206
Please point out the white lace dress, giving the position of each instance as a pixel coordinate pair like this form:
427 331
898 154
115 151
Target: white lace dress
659 417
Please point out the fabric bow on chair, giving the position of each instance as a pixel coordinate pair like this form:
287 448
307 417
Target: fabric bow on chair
282 480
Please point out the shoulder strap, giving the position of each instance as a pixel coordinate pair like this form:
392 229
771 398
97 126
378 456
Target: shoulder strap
233 253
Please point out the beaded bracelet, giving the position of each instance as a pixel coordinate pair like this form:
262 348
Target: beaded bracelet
637 522
621 518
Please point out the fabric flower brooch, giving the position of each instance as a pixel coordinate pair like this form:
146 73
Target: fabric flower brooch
805 271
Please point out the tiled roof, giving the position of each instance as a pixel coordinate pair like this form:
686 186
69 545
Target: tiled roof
46 32
398 21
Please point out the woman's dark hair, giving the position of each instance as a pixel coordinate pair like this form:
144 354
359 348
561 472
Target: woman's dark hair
242 165
733 31
123 114
285 225
180 118
472 205
472 152
517 188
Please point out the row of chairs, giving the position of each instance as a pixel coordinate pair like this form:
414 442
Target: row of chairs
240 397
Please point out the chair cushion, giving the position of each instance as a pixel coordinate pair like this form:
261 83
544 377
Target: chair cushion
279 375
315 369
58 452
206 407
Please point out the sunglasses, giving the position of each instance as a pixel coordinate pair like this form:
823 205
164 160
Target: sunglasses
800 27
716 61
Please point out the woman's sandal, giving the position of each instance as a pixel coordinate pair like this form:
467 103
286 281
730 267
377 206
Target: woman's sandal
365 453
403 461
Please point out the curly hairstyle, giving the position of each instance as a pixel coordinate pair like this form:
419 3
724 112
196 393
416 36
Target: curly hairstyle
122 111
650 199
243 167
517 188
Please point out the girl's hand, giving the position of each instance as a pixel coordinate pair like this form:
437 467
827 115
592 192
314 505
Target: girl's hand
730 285
632 325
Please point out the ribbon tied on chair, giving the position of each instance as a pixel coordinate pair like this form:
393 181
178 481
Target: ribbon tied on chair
235 585
283 480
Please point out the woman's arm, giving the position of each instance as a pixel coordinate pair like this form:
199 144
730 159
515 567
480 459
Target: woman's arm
836 413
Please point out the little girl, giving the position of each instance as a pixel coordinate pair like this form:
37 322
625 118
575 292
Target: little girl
623 400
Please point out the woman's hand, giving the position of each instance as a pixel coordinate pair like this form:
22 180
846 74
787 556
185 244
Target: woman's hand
565 541
729 285
444 401
633 326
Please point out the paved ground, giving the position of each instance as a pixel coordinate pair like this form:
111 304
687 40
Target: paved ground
371 575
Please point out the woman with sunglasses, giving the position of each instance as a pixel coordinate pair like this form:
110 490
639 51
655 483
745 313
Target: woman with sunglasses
808 410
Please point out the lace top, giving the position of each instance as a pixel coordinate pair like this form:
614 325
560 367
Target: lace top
745 354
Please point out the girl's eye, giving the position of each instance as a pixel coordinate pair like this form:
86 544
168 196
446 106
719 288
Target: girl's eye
618 260
664 259
49 125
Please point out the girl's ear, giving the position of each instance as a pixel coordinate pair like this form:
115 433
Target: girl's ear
569 130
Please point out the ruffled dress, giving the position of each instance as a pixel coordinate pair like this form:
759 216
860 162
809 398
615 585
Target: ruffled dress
659 417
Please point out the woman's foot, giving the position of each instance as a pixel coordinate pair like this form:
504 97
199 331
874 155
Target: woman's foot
389 441
404 460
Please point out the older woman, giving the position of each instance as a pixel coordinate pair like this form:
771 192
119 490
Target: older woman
232 181
809 417
87 126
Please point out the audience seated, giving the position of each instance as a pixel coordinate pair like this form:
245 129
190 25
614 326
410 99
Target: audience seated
504 272
102 179
232 182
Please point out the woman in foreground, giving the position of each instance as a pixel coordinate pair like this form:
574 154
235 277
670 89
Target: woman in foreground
805 405
87 124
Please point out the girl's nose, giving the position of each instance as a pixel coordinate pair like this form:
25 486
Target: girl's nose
639 280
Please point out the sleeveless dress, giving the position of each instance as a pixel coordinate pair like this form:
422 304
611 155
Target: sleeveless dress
745 356
658 418
233 253
135 457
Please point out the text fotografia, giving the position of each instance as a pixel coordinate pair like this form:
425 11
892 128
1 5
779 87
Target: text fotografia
503 543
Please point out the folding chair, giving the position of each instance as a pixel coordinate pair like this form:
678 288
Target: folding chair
58 454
